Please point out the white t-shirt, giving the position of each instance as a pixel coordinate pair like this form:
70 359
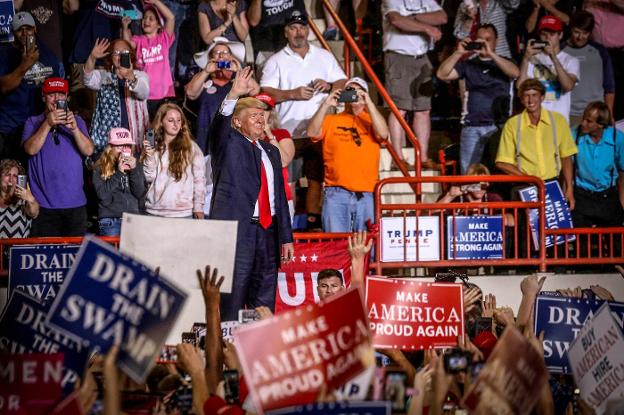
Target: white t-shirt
406 43
542 68
288 70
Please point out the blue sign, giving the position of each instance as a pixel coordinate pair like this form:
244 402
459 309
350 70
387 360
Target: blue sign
561 319
109 298
474 237
6 18
22 330
39 270
338 408
556 212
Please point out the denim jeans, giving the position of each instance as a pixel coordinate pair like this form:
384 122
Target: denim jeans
110 226
181 13
345 211
472 143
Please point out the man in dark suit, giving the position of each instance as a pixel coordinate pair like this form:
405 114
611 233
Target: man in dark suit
249 188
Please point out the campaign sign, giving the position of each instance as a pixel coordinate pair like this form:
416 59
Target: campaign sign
6 18
474 237
556 212
413 315
511 380
30 383
296 281
288 357
403 240
597 360
22 330
561 319
338 408
109 298
39 270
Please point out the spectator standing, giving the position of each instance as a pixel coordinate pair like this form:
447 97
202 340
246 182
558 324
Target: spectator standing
599 163
473 14
409 32
597 82
556 69
299 77
537 141
174 168
351 148
152 51
24 65
488 78
223 18
119 182
17 204
267 19
48 15
122 92
57 141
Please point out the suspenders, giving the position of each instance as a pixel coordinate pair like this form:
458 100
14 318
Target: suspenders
554 129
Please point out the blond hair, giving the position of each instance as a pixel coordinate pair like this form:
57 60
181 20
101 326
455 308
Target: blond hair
107 163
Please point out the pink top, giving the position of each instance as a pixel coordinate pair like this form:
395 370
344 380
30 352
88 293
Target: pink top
153 58
609 28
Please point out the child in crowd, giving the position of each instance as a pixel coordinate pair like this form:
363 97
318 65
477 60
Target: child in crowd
174 168
118 182
152 50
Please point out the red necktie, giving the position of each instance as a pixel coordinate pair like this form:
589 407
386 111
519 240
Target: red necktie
264 206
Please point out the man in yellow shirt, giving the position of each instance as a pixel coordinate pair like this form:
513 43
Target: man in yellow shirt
537 142
351 143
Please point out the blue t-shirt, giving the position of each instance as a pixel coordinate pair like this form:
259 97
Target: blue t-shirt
99 19
489 91
55 172
598 164
25 100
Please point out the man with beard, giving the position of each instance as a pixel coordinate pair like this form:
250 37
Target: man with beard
17 204
299 77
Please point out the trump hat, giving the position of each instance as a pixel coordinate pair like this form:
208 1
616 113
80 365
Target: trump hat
120 137
267 99
52 85
551 23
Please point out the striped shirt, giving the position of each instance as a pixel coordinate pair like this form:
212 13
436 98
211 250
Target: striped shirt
13 222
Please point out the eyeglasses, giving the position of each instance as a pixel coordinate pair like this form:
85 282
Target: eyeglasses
222 53
119 52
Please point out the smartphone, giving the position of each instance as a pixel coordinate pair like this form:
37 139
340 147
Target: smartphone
473 46
21 180
248 316
61 104
133 14
30 43
395 389
231 386
482 324
456 361
224 64
348 95
149 136
124 60
168 354
197 327
475 369
473 187
189 337
539 44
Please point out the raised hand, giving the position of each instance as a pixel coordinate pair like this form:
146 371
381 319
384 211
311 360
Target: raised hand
358 247
243 83
100 49
210 286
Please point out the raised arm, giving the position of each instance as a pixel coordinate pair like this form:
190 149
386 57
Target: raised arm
210 285
315 126
254 13
166 13
126 33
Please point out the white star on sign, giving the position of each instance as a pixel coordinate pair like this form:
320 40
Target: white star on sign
314 257
303 258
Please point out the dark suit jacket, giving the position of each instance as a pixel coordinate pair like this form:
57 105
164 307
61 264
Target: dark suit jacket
236 176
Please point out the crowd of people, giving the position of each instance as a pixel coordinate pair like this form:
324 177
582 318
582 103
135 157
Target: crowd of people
157 107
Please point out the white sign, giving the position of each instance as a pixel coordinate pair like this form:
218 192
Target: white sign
180 247
597 360
400 237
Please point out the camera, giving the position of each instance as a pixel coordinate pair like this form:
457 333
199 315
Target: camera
248 316
348 95
61 104
224 64
473 46
231 386
539 45
457 360
473 187
124 60
395 389
30 43
21 181
149 136
189 337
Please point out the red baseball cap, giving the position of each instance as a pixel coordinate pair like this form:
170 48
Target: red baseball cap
51 85
551 23
267 99
485 341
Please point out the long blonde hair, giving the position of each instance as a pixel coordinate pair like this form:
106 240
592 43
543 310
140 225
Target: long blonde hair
180 148
107 163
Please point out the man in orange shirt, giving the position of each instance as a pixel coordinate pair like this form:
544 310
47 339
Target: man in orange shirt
351 143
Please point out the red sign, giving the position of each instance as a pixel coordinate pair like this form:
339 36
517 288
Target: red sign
409 315
287 358
296 281
30 383
511 380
